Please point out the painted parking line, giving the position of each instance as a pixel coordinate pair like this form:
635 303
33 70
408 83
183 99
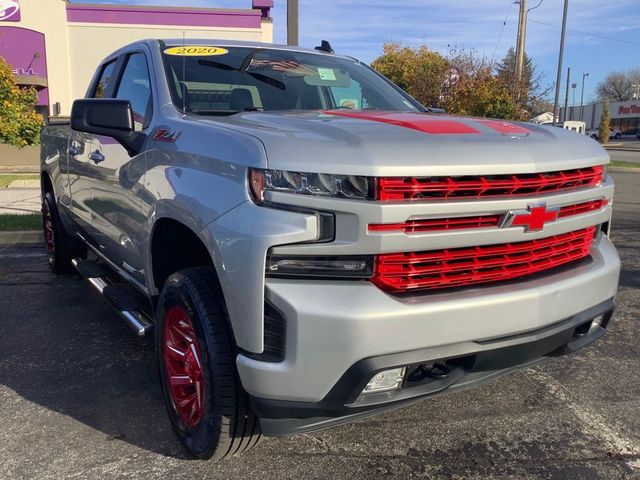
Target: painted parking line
592 423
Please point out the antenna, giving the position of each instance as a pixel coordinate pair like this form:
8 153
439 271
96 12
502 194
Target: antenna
325 47
184 74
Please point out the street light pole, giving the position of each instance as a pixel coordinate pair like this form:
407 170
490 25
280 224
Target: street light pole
584 75
566 95
559 75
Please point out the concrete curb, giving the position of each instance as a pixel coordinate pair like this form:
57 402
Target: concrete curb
33 237
624 169
21 169
622 149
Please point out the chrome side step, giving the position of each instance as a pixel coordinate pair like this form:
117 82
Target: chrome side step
127 307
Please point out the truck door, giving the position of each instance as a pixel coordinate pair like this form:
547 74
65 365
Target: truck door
118 179
81 147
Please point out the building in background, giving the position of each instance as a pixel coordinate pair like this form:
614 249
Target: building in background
625 116
55 46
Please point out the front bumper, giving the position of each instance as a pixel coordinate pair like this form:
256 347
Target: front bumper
331 325
468 369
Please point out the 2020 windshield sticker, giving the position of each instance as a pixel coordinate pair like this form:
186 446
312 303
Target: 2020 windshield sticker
195 51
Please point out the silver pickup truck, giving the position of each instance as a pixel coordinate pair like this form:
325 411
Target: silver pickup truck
310 245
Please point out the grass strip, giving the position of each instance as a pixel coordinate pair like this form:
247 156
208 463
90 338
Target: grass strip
16 223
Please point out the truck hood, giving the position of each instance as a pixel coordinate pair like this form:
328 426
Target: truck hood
411 144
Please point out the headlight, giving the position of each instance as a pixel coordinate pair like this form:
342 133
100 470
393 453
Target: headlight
318 184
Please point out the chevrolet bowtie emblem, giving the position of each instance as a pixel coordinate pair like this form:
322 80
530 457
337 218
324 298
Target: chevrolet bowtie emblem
532 219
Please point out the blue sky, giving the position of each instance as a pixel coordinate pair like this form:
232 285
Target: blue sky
601 36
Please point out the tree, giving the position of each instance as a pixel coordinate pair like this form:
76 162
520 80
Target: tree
506 70
603 131
427 76
529 95
20 125
617 86
481 95
420 71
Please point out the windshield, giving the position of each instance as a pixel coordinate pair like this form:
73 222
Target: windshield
211 80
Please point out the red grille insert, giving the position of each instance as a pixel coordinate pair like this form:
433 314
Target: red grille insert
443 224
474 187
459 267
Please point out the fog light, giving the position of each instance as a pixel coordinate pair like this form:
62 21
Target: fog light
385 381
596 323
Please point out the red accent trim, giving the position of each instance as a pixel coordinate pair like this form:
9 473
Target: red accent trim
501 126
413 226
535 218
586 207
476 187
459 267
183 364
422 122
485 221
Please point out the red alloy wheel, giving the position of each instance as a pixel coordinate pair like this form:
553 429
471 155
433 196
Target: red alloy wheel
48 232
183 364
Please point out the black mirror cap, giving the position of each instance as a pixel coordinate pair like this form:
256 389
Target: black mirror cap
103 116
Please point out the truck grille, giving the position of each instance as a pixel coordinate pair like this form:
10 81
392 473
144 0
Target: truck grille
459 267
477 187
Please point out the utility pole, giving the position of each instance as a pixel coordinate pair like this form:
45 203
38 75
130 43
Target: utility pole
559 76
292 22
584 75
566 95
522 36
573 103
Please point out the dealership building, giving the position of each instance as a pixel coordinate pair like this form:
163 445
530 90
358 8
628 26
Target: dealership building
55 46
625 116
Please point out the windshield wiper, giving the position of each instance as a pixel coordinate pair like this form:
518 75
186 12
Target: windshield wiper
220 113
223 113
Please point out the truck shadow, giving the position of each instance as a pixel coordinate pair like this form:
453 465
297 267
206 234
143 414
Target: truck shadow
62 347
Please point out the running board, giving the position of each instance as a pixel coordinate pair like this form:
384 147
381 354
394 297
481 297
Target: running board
118 297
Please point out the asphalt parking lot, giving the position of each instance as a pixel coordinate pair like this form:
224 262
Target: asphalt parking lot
79 398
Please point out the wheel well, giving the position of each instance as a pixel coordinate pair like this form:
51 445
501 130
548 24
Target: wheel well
174 247
45 183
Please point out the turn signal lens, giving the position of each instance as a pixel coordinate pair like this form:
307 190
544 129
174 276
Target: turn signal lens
327 267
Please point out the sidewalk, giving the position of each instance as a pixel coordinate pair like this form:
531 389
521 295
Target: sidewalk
19 200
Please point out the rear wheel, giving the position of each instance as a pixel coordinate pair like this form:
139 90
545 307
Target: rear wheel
208 407
58 244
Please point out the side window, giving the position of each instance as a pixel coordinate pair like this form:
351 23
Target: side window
105 79
135 86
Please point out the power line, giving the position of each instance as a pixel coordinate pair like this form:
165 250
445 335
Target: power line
504 24
587 33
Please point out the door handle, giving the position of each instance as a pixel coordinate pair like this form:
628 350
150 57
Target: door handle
73 151
96 157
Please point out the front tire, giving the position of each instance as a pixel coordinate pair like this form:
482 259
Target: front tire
207 406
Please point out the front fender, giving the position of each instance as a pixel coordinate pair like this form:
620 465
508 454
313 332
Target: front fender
240 240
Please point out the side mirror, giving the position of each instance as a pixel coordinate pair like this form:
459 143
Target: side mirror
109 117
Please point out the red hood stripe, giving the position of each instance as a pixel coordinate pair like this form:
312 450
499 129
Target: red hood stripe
502 126
417 121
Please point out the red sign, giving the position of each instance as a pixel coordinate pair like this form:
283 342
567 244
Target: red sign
622 110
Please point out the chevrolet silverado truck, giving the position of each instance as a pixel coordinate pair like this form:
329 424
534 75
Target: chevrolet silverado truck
309 245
